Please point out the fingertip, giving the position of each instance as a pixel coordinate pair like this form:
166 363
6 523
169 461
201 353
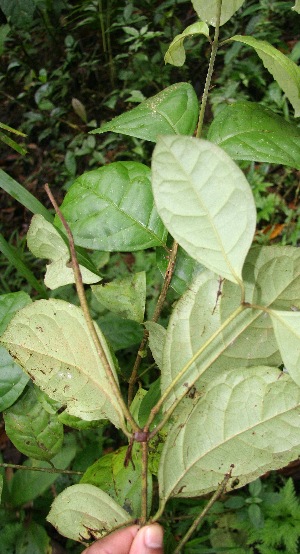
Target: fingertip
154 536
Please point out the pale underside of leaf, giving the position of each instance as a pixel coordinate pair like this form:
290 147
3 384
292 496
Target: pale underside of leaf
248 131
112 209
83 512
247 420
283 69
126 296
287 332
207 11
172 111
296 7
44 241
51 341
272 279
175 54
198 191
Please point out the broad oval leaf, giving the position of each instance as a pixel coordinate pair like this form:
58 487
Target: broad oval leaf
282 68
51 341
248 131
112 209
172 111
245 420
125 297
198 191
34 432
44 241
272 279
175 54
186 268
287 332
296 7
83 512
12 380
207 11
122 483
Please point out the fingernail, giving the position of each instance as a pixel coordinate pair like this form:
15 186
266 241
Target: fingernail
154 536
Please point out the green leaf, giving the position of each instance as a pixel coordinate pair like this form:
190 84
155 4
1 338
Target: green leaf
157 335
1 486
197 190
44 241
33 431
248 131
282 68
120 333
296 7
18 192
123 484
51 341
287 332
12 144
112 209
9 304
172 111
125 297
148 402
82 512
245 420
13 257
175 54
27 485
185 268
33 540
207 11
78 423
12 380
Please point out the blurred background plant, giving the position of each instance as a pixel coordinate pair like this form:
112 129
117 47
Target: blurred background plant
66 67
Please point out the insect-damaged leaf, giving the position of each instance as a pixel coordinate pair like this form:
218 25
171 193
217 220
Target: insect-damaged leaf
246 420
198 191
51 341
82 512
172 111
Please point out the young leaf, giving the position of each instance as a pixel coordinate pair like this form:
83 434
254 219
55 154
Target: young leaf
282 68
123 484
112 209
51 341
83 512
197 190
287 332
12 380
207 11
296 7
34 432
44 241
125 297
172 111
175 54
248 131
245 420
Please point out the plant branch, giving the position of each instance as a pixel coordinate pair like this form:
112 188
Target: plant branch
214 49
43 469
157 312
180 375
90 324
201 516
143 518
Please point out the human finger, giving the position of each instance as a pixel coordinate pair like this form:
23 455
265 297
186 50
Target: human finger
119 542
148 540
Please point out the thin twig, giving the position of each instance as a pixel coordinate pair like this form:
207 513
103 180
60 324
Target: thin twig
201 516
144 506
157 312
44 469
84 306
